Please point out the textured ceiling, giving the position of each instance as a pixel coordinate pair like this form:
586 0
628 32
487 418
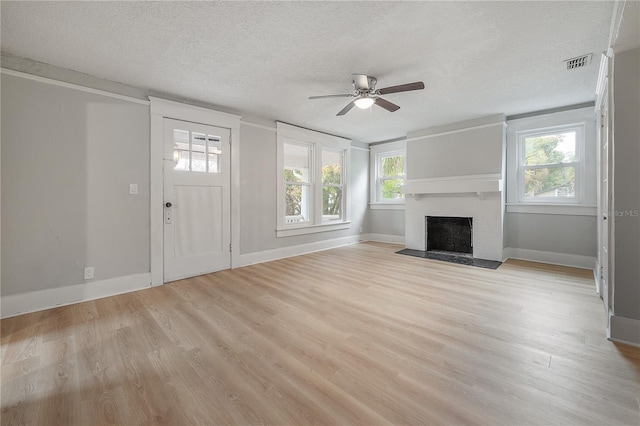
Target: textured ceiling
264 59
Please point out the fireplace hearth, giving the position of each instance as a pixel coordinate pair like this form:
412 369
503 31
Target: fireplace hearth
452 258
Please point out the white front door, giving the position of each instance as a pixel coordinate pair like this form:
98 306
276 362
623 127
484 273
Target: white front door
197 199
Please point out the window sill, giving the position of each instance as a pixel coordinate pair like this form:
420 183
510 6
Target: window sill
552 208
311 229
386 206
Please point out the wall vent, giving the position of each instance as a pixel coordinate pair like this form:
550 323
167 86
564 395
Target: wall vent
578 62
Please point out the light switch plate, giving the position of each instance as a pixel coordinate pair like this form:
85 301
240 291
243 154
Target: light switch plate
133 188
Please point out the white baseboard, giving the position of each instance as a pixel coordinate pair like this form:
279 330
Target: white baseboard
383 238
563 259
297 250
33 301
625 330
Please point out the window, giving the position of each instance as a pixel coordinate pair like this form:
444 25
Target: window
388 175
196 152
390 169
297 180
549 169
332 184
551 163
312 181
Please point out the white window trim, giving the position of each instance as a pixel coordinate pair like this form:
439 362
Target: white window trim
287 133
375 152
585 200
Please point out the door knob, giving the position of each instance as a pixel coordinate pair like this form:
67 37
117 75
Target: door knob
168 204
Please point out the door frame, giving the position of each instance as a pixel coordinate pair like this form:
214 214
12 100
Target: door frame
606 227
161 109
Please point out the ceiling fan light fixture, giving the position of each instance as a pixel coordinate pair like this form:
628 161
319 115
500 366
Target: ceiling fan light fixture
364 102
366 95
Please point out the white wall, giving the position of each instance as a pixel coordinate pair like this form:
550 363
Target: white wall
626 147
472 147
566 234
387 222
68 159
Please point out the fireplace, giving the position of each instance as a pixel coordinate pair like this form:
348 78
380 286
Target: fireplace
449 234
486 211
456 239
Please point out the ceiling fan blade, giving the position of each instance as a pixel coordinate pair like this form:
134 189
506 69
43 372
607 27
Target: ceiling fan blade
361 81
331 96
391 107
418 85
346 109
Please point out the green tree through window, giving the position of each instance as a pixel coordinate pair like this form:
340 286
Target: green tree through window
549 162
391 176
293 193
331 195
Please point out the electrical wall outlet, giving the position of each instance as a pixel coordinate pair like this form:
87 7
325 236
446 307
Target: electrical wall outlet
133 188
88 272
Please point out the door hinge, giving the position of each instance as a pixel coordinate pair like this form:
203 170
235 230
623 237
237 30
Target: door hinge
229 248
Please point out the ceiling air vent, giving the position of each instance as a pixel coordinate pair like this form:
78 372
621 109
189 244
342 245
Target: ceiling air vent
579 62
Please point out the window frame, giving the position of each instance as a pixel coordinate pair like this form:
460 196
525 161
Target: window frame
307 183
333 185
583 116
578 164
377 152
289 134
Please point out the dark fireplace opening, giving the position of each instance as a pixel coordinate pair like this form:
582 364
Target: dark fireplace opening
449 234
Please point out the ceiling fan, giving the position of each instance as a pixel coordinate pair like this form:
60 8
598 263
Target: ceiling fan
366 94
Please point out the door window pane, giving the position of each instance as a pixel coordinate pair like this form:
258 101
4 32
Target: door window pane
181 149
198 150
214 150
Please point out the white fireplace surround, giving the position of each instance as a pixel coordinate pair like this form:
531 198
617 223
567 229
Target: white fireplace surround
480 197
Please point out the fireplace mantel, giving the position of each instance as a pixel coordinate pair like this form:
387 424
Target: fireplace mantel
454 184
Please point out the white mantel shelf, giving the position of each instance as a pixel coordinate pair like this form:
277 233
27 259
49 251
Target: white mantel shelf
454 185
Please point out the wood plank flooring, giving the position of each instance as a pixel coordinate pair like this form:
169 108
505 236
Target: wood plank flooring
355 335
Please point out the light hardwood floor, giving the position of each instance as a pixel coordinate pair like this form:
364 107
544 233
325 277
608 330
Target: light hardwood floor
356 335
